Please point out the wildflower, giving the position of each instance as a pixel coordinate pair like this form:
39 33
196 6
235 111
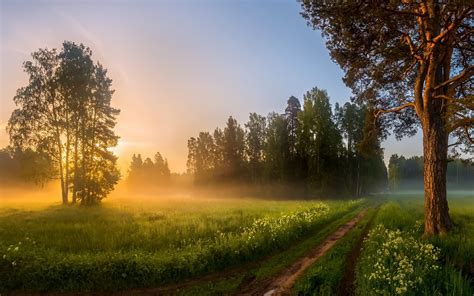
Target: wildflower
402 261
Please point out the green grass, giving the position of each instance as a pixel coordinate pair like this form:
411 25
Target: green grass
453 276
324 277
222 244
274 264
120 246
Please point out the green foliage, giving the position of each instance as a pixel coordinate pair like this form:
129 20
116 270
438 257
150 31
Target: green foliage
305 146
65 114
276 148
21 166
320 141
407 173
274 264
365 170
154 172
255 144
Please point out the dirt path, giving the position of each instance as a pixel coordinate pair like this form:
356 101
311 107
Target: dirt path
346 287
281 284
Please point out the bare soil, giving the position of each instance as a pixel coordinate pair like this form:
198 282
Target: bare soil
346 287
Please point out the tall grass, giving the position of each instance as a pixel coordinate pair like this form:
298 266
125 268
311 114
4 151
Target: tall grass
108 248
400 221
325 276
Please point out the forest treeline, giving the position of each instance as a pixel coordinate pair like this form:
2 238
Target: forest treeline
21 167
149 171
321 149
407 173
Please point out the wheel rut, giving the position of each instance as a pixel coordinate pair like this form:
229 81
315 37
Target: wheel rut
282 283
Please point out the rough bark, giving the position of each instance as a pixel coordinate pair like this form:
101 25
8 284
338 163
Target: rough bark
435 151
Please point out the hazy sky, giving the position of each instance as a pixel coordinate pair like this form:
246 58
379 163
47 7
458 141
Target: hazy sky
179 67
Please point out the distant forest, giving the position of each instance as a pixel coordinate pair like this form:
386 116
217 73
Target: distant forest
321 149
407 173
17 166
311 147
149 171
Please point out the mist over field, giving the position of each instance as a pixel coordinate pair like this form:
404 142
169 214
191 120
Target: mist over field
209 148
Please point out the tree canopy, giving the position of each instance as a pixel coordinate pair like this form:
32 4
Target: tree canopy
411 61
65 113
311 146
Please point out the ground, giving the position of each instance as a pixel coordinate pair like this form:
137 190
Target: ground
208 246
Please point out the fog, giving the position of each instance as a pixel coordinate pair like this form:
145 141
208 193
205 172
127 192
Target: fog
31 197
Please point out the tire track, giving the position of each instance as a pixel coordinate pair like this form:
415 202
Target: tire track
282 284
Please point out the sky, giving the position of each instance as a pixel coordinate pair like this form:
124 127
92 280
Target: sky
179 67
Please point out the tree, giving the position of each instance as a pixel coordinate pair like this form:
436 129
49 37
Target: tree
135 172
291 113
276 148
412 61
234 143
201 157
192 155
155 172
22 166
255 143
98 164
65 113
297 167
319 140
218 159
350 121
161 169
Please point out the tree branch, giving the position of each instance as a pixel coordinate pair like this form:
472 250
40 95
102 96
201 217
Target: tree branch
413 50
404 12
444 97
396 109
464 75
464 122
454 25
468 137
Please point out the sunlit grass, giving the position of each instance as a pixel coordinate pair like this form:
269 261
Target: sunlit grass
455 251
325 276
145 242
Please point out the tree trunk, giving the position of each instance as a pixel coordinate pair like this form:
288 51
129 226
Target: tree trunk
74 190
435 152
66 180
61 171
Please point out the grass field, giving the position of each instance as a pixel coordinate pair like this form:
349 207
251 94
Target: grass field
131 245
405 263
220 245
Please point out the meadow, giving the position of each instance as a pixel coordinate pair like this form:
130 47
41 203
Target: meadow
395 258
214 246
126 244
